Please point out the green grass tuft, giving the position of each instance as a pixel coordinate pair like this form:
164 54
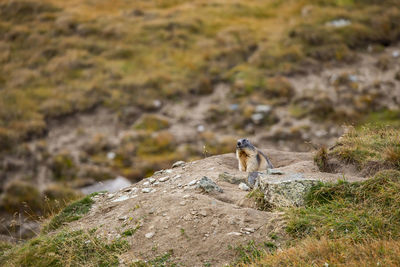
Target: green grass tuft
76 248
72 212
368 209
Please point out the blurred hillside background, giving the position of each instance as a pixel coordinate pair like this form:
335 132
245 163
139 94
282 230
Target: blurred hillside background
92 90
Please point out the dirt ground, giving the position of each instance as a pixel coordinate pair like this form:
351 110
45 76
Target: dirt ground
200 228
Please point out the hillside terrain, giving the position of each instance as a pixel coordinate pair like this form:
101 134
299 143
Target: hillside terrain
93 93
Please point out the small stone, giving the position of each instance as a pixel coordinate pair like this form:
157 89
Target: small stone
111 155
123 218
257 118
339 23
214 222
110 196
182 203
186 196
200 128
178 164
230 178
209 185
159 172
177 176
251 230
146 183
235 233
152 180
156 183
203 213
234 107
193 182
121 198
244 187
263 109
146 190
149 235
275 172
396 54
163 179
168 171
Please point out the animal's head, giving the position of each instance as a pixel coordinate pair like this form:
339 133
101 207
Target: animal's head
244 143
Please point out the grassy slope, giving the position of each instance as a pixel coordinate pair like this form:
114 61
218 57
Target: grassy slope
115 53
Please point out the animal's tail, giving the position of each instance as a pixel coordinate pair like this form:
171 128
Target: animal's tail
270 166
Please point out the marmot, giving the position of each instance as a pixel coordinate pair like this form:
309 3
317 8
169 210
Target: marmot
250 158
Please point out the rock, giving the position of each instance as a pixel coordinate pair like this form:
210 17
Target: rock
338 23
146 183
200 128
231 178
149 235
257 118
396 54
235 233
285 190
246 229
178 164
203 213
111 155
263 109
146 190
244 187
152 180
121 198
123 218
193 182
108 185
163 179
208 185
182 203
274 172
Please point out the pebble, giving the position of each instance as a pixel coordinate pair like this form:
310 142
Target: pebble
251 230
111 155
203 213
152 180
149 235
146 183
263 108
146 190
186 196
177 176
168 171
182 203
339 23
123 218
275 172
192 183
257 117
235 233
200 128
163 179
244 187
121 198
396 54
178 164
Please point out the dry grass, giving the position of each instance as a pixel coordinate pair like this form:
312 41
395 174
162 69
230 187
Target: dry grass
81 55
340 252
